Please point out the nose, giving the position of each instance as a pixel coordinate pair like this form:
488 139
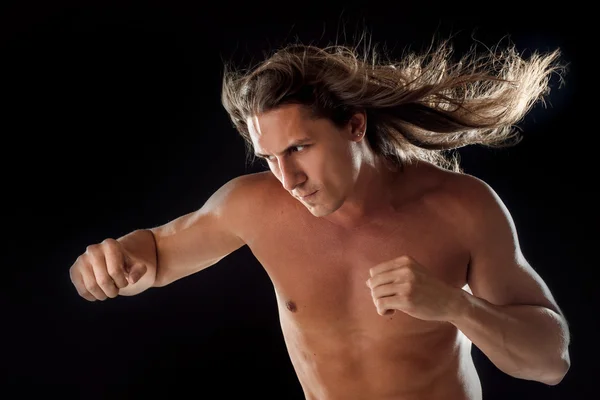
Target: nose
291 176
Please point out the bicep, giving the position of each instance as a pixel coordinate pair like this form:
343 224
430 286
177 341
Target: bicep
498 270
199 239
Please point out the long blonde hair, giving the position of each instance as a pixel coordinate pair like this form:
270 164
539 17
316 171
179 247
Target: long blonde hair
423 106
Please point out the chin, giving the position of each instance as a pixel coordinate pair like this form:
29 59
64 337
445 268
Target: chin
316 210
320 211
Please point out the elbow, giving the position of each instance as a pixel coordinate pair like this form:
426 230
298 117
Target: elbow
562 363
559 372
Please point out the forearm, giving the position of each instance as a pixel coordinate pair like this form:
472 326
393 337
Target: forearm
524 341
141 244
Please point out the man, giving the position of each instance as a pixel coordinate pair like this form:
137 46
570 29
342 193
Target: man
387 260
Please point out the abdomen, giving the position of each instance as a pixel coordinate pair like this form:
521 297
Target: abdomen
339 363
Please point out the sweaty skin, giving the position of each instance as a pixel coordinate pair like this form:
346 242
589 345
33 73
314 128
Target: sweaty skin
340 347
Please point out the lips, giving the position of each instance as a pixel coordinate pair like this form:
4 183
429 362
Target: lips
310 194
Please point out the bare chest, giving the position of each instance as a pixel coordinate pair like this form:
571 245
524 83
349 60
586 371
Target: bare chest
319 272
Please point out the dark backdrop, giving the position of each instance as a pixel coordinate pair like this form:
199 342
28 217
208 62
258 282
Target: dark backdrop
112 121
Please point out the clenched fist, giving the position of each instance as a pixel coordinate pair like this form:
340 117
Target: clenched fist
405 285
104 269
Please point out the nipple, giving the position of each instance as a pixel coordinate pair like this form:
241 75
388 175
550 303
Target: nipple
290 305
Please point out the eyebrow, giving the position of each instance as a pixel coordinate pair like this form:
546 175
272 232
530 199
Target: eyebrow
295 143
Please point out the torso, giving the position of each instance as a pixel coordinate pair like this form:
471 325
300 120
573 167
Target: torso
340 347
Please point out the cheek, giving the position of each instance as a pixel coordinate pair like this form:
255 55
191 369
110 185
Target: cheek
345 163
332 168
337 174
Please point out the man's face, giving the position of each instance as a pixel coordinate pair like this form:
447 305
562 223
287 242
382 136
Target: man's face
307 155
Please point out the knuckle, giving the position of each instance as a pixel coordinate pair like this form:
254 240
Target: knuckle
92 248
92 287
409 275
104 281
79 263
93 253
110 244
109 241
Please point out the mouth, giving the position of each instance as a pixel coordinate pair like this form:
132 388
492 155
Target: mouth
308 195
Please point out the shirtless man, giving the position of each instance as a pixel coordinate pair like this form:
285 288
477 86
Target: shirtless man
387 264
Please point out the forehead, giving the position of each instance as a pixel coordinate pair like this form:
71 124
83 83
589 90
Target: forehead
272 130
284 119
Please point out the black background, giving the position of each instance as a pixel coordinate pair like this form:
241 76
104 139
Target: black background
112 121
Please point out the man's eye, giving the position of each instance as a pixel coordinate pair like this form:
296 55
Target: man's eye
292 150
298 148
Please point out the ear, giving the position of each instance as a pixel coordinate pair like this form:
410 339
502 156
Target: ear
357 126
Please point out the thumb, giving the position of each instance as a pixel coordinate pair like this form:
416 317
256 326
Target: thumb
134 270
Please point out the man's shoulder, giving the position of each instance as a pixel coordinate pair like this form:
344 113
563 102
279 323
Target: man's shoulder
458 192
465 187
252 184
248 192
465 202
252 200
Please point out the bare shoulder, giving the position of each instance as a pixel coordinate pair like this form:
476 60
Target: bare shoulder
244 200
468 190
458 195
241 194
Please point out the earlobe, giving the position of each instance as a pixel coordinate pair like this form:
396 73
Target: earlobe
358 125
356 136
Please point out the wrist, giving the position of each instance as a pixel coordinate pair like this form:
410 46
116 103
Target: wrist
459 305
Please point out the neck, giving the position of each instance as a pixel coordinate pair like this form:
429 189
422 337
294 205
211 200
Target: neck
371 199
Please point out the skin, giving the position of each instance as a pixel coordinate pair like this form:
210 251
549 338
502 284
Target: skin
367 272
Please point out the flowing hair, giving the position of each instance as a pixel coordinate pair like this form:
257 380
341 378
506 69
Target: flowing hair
422 107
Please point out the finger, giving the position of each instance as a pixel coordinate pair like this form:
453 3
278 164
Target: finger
103 279
385 290
79 284
384 306
89 281
383 279
115 266
390 265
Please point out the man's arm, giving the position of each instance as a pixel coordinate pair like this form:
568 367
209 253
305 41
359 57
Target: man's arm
511 317
192 242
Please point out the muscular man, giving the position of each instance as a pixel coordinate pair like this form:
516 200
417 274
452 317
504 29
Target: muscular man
387 260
